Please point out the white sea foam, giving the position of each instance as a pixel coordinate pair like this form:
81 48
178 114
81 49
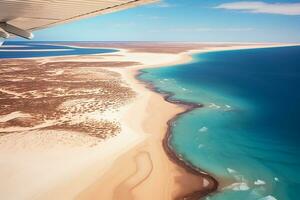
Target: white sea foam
213 105
259 182
269 197
231 171
228 106
203 129
240 177
236 175
276 179
238 187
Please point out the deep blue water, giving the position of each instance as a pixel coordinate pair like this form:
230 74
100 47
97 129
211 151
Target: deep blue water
28 50
249 129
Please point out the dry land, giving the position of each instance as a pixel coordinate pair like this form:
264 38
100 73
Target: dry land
83 127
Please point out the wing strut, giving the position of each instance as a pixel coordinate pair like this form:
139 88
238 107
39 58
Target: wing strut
8 28
4 35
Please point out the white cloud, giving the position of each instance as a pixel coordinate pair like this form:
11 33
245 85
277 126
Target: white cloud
203 29
162 4
124 25
155 17
262 7
151 17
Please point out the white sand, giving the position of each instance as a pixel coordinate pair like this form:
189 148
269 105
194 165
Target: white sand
13 115
59 165
37 164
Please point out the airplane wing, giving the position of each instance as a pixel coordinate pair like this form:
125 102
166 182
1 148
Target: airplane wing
21 17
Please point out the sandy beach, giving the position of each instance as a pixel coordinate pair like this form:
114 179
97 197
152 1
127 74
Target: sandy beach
55 155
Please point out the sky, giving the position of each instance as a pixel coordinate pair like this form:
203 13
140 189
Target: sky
188 20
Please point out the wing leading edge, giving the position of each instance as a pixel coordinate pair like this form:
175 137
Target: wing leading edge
21 17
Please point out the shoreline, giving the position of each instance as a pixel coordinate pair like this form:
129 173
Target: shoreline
187 57
169 150
156 139
142 148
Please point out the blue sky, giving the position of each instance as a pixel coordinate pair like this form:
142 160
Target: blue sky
189 20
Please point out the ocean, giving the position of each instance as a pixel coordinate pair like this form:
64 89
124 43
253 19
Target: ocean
14 49
247 133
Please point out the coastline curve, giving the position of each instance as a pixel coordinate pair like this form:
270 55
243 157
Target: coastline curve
213 184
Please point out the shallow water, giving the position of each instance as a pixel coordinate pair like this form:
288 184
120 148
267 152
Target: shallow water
249 128
45 49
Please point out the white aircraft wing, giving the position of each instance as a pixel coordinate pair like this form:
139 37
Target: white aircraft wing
21 17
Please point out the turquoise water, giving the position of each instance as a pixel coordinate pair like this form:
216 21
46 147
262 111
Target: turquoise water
45 49
248 131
